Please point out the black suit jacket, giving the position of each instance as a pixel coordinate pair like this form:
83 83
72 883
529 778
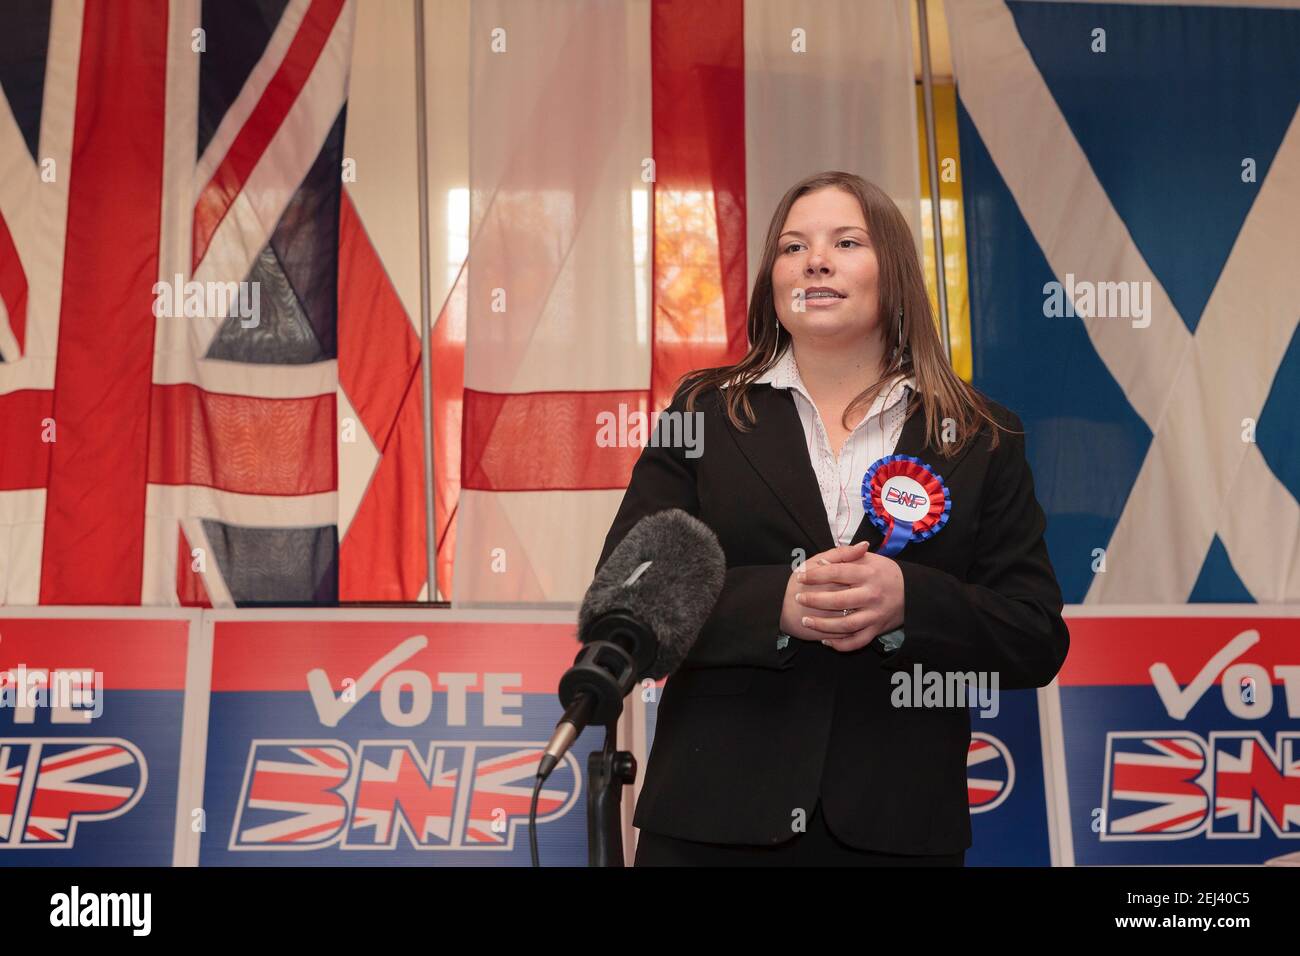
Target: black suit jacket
750 733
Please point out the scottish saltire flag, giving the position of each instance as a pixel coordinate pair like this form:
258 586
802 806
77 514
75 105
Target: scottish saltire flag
1132 185
170 197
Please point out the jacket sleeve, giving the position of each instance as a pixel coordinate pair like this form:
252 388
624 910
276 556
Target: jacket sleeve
1006 616
743 628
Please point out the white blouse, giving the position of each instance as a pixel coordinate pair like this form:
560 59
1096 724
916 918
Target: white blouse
875 436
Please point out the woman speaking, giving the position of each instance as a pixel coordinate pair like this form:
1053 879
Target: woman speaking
881 532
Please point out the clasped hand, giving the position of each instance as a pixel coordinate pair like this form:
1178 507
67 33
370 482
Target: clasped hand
869 585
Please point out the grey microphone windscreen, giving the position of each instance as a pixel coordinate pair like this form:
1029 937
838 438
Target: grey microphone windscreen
674 595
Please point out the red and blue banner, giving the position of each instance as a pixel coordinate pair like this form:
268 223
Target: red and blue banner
1179 737
306 737
91 719
363 739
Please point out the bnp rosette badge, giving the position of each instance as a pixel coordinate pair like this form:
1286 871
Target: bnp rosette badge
906 500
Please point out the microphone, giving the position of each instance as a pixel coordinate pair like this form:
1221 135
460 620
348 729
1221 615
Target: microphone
640 617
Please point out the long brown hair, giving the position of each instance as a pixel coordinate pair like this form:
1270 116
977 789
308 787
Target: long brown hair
941 392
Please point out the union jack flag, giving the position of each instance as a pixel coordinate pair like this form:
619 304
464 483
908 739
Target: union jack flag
164 165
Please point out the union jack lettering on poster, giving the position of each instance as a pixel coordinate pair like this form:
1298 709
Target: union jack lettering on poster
49 785
1161 786
384 794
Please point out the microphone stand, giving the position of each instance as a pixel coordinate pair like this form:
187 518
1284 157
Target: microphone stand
608 771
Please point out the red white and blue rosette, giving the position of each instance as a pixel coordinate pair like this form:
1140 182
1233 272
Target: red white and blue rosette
906 499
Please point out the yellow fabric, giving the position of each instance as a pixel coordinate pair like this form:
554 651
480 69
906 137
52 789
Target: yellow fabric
953 219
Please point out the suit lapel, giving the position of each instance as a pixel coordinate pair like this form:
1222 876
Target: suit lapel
776 448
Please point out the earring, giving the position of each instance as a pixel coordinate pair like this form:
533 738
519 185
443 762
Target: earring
897 357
